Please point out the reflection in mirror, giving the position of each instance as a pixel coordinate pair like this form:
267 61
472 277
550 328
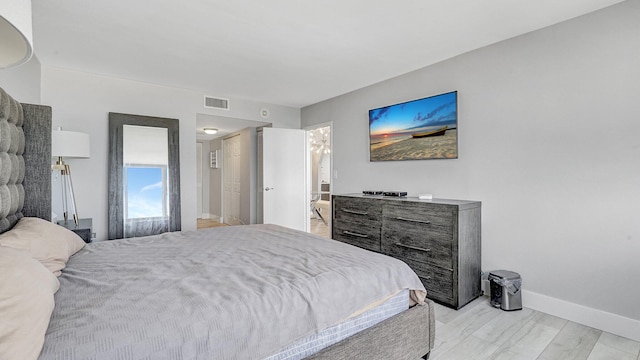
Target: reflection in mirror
144 196
145 153
320 158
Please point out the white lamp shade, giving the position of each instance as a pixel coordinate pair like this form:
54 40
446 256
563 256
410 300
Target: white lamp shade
70 144
16 36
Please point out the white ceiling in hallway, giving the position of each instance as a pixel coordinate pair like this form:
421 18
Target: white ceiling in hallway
287 52
225 125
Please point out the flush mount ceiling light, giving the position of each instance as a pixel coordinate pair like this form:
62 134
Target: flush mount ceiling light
16 46
210 131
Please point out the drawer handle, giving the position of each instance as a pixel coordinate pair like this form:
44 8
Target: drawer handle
412 247
355 212
413 220
355 234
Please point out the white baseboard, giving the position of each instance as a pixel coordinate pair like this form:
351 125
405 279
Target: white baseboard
609 322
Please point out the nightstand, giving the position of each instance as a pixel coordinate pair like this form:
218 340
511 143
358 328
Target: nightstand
83 229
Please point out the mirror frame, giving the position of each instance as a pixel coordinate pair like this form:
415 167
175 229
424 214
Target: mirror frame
116 166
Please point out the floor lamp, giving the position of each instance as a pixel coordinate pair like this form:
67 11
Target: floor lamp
68 144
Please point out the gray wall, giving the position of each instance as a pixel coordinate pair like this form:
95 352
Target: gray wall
81 102
548 141
23 82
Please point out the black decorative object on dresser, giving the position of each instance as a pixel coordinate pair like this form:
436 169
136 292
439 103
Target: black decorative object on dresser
439 239
83 229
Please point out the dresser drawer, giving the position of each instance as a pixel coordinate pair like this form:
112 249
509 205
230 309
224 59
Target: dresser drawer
358 211
422 211
357 222
367 238
428 240
357 215
437 281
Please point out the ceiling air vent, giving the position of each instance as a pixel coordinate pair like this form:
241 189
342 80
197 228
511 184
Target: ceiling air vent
216 103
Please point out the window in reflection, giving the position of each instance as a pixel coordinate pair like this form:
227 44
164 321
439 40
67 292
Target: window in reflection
146 194
145 155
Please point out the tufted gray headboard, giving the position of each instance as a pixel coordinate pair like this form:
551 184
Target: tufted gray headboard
25 161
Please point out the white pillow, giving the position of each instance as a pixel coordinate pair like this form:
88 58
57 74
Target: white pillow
47 242
26 304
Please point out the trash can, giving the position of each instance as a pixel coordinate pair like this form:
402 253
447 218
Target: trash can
505 290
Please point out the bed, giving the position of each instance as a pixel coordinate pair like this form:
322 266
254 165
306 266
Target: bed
242 292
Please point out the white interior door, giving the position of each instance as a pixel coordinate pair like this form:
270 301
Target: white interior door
285 200
231 181
199 179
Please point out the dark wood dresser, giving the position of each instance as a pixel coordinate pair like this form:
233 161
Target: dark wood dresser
439 239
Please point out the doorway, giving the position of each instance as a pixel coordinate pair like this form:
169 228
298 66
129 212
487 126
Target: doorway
319 169
283 168
220 128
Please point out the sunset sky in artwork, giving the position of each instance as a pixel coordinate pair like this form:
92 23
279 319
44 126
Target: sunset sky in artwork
437 110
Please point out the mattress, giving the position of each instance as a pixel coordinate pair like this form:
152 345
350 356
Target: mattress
237 292
313 343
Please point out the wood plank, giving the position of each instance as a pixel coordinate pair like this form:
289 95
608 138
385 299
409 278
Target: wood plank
533 337
504 325
457 331
611 346
604 352
481 332
573 342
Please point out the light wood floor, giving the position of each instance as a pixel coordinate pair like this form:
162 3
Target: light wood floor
319 228
208 223
478 332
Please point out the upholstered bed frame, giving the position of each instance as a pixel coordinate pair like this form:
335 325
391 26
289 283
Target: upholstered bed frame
25 161
25 190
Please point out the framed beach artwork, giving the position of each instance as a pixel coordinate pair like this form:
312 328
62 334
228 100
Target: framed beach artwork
415 130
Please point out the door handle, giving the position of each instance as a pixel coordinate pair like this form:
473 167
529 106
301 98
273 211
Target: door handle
355 212
412 247
268 188
413 220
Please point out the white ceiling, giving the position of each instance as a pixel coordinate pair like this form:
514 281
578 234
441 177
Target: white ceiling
225 125
286 52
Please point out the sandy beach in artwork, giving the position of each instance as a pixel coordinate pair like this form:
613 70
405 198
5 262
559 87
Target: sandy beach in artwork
436 147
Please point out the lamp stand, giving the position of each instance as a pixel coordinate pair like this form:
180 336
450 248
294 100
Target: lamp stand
67 189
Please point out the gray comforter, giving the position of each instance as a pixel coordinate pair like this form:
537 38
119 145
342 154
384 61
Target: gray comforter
240 292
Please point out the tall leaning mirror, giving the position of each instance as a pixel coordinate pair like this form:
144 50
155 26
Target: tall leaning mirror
144 175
